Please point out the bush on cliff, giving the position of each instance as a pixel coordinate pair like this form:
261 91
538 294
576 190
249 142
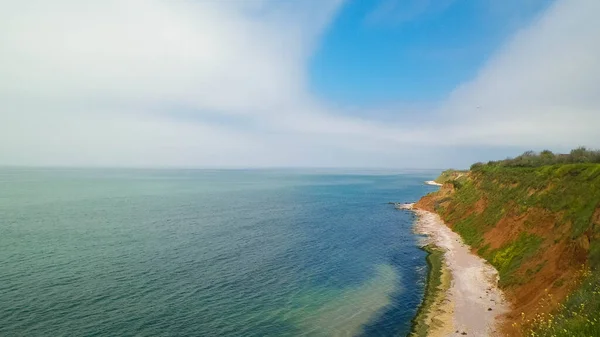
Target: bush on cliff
533 159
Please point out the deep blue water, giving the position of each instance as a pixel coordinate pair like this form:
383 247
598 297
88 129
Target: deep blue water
208 252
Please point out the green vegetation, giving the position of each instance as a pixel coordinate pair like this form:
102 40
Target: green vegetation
532 159
471 234
449 175
579 316
434 289
508 258
554 198
573 189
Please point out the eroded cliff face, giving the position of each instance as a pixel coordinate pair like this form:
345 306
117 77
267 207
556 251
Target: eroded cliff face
540 227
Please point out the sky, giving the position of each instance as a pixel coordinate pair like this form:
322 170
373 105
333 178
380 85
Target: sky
285 83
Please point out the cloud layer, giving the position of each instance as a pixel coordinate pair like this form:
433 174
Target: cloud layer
207 83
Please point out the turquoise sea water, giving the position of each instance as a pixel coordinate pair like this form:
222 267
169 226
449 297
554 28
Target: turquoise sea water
208 252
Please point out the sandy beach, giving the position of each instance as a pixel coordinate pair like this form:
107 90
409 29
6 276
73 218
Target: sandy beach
473 303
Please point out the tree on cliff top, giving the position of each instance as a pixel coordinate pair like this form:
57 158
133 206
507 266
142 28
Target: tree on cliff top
546 157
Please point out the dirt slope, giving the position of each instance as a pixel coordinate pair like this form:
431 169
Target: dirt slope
540 227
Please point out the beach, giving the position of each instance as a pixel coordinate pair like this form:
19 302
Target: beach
472 304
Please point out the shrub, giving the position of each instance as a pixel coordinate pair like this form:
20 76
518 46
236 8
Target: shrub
546 157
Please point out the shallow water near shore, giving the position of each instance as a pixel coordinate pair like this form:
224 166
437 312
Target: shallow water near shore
208 252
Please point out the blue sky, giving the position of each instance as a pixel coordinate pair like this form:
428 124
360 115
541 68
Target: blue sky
312 83
416 51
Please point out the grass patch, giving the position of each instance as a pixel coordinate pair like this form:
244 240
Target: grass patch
509 258
579 316
594 255
449 175
570 189
470 232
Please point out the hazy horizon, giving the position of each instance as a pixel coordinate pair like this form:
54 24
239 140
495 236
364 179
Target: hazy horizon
307 169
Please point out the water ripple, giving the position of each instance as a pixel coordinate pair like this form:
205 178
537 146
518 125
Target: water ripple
210 253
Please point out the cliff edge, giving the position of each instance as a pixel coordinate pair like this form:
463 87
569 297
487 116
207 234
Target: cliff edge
539 226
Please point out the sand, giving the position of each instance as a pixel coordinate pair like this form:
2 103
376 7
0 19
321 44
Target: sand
473 290
433 183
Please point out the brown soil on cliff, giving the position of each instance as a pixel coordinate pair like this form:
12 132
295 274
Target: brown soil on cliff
428 202
544 279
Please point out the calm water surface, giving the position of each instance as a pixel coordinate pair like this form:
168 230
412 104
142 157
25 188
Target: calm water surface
208 252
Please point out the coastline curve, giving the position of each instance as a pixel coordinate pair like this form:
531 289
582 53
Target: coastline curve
470 302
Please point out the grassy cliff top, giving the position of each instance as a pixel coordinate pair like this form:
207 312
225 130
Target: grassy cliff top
450 175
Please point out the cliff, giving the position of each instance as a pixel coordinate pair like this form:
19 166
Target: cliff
540 228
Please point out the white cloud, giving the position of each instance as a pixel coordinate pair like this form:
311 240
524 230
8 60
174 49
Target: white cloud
223 83
201 54
98 82
541 89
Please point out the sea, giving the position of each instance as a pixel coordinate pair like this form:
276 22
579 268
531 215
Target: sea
141 252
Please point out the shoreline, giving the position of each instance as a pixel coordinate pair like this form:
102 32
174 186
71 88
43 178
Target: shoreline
466 299
431 314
